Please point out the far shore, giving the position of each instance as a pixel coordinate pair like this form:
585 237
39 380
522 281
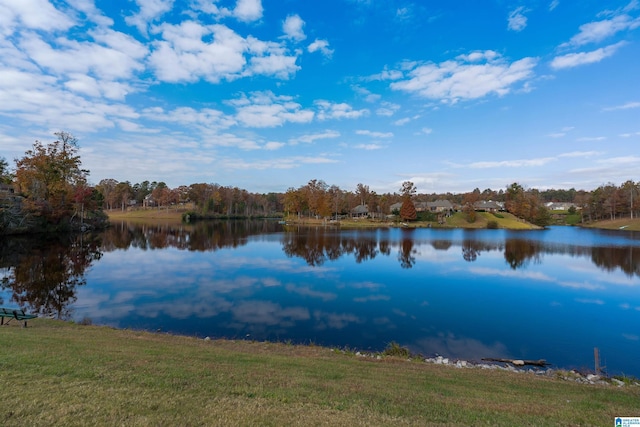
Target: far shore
510 222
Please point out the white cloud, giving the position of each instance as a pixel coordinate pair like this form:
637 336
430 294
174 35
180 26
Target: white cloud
329 110
404 13
590 301
88 86
282 163
591 138
206 119
554 4
513 163
405 120
311 138
368 147
276 63
562 133
366 93
581 154
619 161
273 145
627 106
39 102
322 46
182 55
571 60
292 27
119 58
556 134
31 14
375 134
264 109
472 76
386 112
248 10
387 109
516 19
150 10
594 32
615 169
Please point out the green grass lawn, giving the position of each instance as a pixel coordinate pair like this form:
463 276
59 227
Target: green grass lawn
503 220
62 374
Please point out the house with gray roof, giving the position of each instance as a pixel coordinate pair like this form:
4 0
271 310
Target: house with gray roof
440 206
487 206
360 211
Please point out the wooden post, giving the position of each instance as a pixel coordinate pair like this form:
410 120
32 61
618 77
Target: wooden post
596 357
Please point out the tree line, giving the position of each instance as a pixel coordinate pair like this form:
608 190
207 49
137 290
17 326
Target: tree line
51 191
317 199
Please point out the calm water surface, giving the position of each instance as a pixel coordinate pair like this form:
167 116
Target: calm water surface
553 294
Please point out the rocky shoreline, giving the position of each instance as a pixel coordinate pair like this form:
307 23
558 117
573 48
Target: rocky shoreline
516 367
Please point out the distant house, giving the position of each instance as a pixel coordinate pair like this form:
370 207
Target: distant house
395 207
487 206
560 206
148 201
421 206
440 206
360 211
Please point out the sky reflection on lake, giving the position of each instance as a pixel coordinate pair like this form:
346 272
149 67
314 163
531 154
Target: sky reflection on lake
553 294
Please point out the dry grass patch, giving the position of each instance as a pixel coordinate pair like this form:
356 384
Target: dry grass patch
148 216
627 224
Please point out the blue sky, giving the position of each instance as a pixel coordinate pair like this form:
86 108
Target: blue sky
268 94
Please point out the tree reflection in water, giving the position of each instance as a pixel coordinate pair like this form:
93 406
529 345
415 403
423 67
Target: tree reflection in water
317 245
199 236
43 276
519 252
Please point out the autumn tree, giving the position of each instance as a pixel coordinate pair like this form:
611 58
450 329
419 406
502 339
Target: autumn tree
123 194
363 193
629 193
316 194
107 187
527 205
408 209
336 197
293 202
48 175
469 201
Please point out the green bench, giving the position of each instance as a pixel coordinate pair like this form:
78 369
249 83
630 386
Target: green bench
15 313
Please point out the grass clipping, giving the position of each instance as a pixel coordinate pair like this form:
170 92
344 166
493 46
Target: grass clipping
62 374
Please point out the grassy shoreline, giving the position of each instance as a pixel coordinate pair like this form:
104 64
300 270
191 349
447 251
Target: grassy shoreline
58 373
174 216
508 221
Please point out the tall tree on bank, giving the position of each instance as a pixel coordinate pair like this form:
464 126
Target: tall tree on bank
527 205
51 179
408 209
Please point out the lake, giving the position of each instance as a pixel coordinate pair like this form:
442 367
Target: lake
552 294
